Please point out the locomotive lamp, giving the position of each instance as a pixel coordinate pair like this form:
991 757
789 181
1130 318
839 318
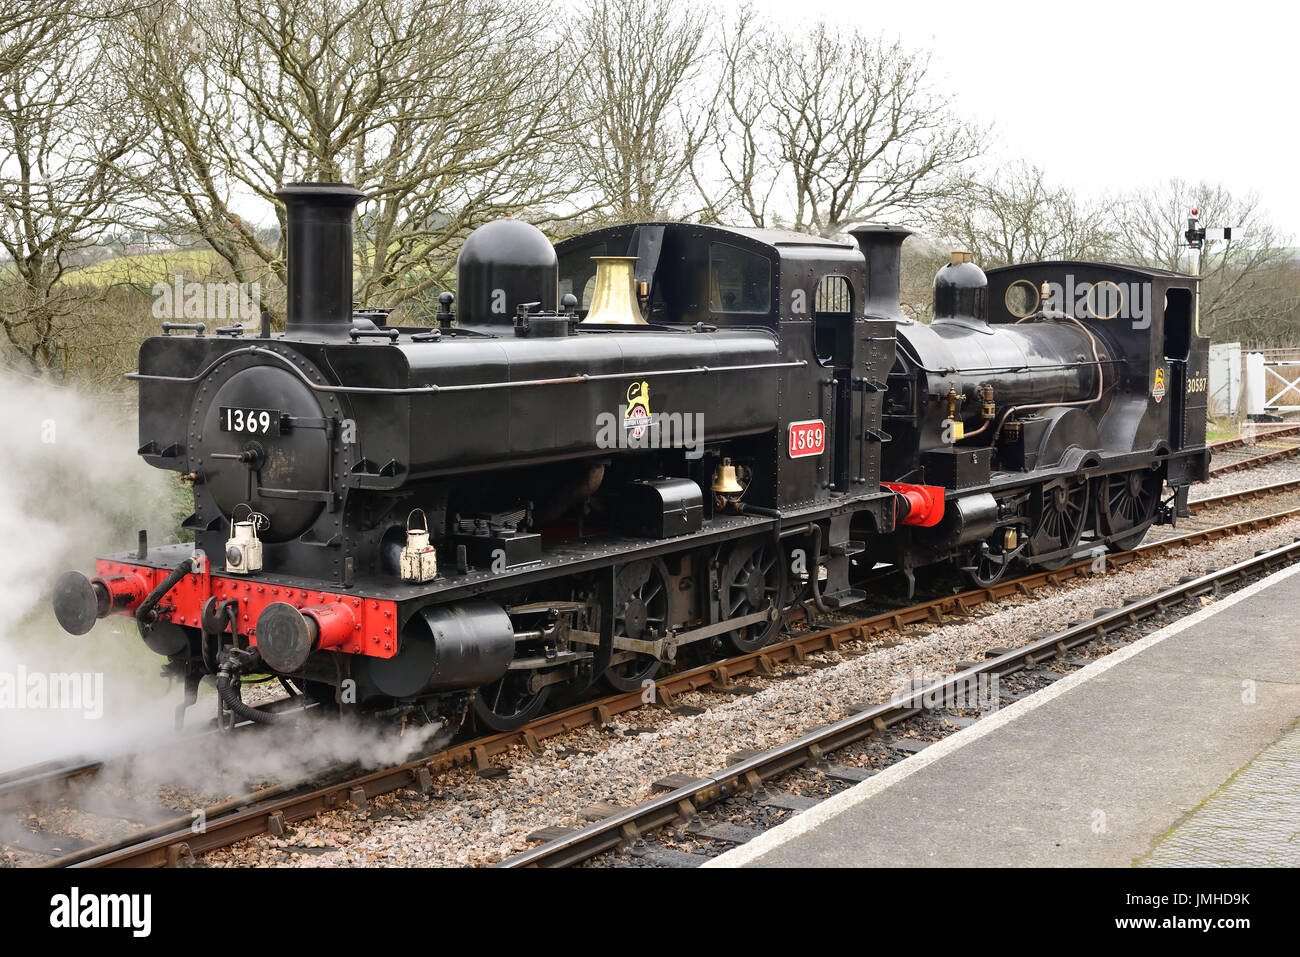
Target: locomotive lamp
614 300
244 548
419 560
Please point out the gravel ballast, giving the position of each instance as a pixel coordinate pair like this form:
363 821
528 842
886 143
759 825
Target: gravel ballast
474 820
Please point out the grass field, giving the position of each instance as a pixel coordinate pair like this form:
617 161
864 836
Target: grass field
147 269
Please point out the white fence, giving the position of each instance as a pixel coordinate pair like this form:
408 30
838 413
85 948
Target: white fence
1255 382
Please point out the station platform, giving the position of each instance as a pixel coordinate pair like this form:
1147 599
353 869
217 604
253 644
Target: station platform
1181 749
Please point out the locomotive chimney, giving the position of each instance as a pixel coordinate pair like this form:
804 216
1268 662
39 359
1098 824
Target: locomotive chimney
883 248
318 232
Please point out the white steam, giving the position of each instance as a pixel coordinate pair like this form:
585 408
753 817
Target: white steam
72 488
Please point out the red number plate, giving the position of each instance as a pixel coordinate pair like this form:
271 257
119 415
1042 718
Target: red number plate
807 438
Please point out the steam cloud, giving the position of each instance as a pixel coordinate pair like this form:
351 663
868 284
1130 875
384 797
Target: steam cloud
74 488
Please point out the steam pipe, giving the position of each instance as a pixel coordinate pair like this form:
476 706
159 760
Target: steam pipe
1101 387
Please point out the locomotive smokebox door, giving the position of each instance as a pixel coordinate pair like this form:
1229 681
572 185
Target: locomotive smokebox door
663 508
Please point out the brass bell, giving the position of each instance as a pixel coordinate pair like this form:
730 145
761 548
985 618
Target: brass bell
724 479
614 300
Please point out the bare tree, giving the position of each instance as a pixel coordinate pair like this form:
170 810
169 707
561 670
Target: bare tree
638 115
443 111
1015 215
1243 292
66 144
826 128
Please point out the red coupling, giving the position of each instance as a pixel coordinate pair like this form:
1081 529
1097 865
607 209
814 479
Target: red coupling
335 624
917 504
124 592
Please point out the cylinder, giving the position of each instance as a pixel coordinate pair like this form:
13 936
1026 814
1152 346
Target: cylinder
971 518
444 647
319 244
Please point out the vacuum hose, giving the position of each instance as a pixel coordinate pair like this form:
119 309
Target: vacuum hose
144 616
236 664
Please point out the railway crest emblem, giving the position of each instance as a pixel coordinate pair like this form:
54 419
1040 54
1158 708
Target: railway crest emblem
636 416
1158 387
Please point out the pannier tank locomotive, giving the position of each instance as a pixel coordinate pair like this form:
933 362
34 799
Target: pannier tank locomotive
635 447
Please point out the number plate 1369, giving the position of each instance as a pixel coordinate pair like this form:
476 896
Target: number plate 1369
250 421
807 438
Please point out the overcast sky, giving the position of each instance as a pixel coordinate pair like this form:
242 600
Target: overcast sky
1107 96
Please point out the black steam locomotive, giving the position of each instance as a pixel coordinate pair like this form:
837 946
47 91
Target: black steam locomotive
638 445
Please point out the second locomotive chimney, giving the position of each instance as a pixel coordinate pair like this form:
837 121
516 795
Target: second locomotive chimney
883 248
318 271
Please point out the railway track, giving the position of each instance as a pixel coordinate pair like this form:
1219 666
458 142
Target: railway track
680 801
1282 443
1244 495
51 788
22 785
178 842
1261 433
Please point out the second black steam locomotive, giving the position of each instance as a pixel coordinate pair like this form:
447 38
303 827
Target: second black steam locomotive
635 446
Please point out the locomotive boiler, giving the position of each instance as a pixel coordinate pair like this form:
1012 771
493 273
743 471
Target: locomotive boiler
627 451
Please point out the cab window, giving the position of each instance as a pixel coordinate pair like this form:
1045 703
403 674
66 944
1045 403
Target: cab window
834 296
739 280
833 321
578 272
